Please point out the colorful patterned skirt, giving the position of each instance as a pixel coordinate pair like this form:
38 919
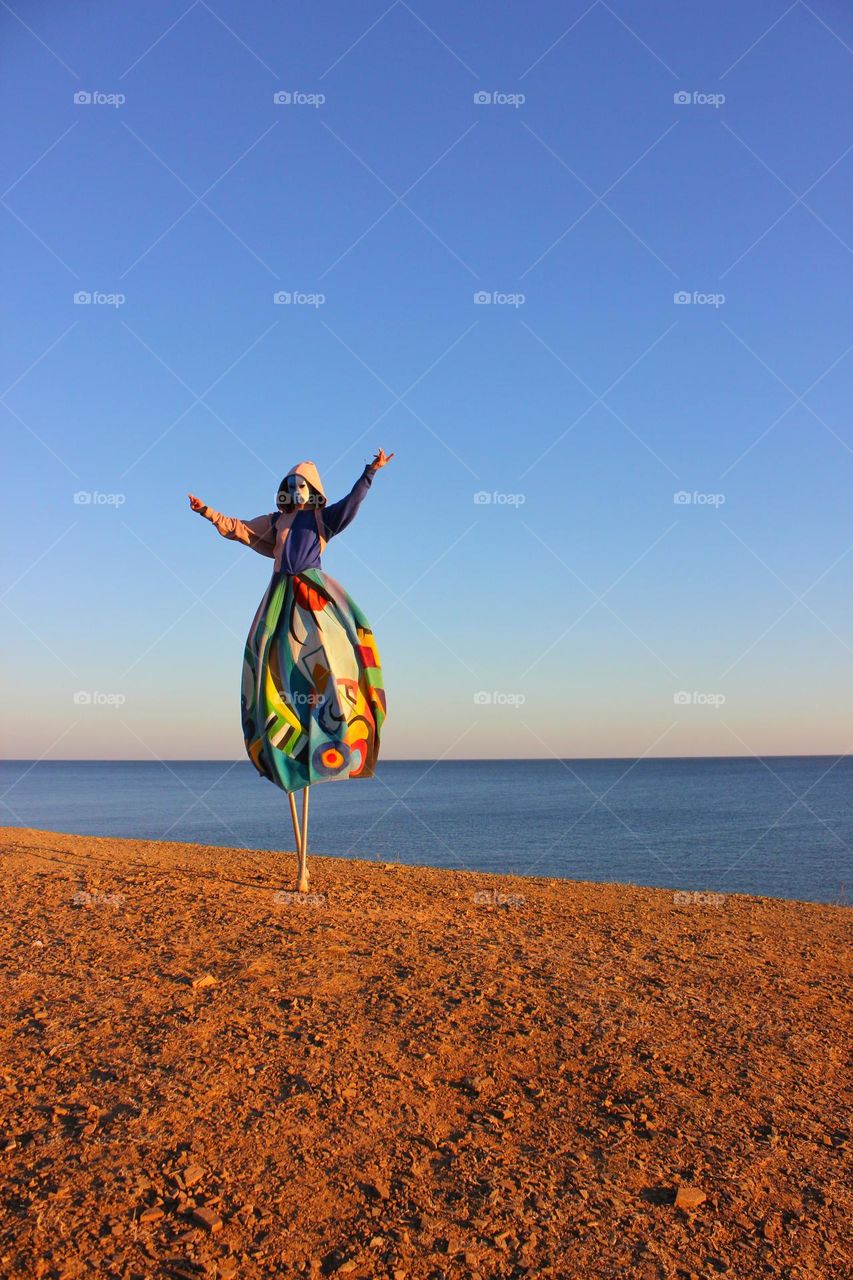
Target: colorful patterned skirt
312 699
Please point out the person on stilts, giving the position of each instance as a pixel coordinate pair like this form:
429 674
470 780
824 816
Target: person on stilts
312 695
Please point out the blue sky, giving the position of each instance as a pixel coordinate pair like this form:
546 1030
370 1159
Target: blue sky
600 615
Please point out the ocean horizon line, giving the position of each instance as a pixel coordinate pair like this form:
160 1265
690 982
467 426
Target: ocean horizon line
787 755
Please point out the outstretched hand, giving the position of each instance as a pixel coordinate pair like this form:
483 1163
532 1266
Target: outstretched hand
380 459
196 503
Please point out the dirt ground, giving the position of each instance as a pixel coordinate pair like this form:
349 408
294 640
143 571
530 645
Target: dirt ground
411 1072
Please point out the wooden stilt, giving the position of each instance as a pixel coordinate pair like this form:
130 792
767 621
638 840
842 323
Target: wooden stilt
302 878
295 818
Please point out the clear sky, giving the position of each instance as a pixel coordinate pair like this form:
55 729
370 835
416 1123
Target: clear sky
627 153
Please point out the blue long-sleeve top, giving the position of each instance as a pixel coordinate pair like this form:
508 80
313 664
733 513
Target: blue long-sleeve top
301 548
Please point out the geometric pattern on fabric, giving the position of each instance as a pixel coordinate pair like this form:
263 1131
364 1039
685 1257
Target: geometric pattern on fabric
312 700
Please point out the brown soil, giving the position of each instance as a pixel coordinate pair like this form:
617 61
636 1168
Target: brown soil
414 1073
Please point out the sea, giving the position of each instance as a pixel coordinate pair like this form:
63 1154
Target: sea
781 826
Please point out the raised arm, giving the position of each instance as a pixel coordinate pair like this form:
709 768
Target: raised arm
259 533
337 516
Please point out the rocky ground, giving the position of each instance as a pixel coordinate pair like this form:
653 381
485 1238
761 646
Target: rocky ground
411 1072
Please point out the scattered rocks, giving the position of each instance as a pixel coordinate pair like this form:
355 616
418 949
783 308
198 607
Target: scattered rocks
771 1229
209 1219
689 1197
208 1088
378 1189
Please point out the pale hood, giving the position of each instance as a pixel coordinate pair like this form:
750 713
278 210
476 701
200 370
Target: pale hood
310 473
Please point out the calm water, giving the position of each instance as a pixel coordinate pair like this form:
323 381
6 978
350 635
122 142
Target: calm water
781 827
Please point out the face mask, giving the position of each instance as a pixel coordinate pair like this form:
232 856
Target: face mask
297 489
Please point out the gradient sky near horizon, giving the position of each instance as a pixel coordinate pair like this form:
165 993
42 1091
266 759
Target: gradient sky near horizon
628 154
